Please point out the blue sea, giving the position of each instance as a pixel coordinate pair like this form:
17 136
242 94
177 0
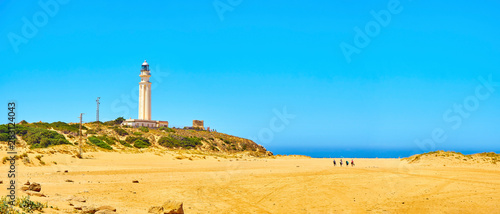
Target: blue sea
358 153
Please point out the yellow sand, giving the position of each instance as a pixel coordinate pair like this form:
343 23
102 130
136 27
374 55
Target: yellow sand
262 185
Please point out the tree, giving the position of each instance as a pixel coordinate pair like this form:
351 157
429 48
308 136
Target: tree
119 120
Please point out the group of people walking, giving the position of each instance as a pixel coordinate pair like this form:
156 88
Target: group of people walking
341 162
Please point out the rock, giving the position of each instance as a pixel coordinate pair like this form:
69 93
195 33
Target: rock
27 183
107 208
173 207
105 212
135 181
89 209
68 180
33 193
1 182
35 187
169 207
24 188
65 171
156 210
77 199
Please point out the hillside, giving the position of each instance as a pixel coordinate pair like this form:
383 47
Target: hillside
453 158
111 137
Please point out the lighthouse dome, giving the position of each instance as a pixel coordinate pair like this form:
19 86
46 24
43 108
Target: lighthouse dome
145 66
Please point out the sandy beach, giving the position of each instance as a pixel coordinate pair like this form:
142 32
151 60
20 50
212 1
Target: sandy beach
209 184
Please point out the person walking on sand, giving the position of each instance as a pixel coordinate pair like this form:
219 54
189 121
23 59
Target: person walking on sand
334 164
352 162
340 162
347 163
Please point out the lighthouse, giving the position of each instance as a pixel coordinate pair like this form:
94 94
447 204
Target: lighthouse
145 93
145 102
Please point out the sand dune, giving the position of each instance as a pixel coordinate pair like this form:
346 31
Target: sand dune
263 185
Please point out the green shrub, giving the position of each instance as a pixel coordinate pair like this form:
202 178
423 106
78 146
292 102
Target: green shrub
132 139
120 131
117 121
60 126
167 129
144 129
174 141
140 144
137 133
4 137
96 141
39 137
30 206
107 139
91 131
125 143
27 205
226 141
5 207
96 122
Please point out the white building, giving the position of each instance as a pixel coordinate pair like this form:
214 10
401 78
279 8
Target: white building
145 102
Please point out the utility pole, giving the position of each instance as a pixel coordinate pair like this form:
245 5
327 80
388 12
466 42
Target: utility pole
97 114
80 144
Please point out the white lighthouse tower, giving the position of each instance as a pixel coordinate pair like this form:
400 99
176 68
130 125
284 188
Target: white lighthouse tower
145 102
145 93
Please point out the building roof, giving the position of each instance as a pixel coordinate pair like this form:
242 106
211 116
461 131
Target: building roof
145 63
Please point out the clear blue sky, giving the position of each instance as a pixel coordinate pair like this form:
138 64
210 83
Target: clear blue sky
234 65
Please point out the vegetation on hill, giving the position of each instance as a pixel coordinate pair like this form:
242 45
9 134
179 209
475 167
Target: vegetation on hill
112 135
138 142
167 129
175 141
141 144
36 137
98 142
4 133
120 131
125 143
117 121
109 140
144 129
132 139
59 126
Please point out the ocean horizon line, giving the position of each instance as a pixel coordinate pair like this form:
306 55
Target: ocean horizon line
363 153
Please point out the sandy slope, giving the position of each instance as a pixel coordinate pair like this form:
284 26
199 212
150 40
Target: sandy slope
282 185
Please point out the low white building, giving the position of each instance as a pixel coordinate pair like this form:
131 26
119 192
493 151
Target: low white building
145 123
